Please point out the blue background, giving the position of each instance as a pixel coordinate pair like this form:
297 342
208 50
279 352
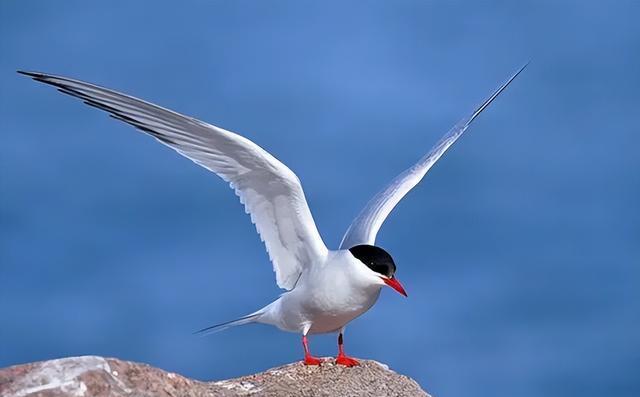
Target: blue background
520 250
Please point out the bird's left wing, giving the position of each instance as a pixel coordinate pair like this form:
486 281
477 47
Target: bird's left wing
271 192
364 228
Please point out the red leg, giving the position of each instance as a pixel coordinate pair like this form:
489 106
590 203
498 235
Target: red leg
308 358
342 358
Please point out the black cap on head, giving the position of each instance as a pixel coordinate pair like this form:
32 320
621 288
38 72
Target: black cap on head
375 258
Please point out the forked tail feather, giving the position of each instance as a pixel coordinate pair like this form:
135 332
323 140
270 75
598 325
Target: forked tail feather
250 318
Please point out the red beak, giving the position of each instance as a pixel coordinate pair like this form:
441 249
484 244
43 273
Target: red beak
395 284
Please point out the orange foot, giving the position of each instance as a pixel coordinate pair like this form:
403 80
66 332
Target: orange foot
346 361
310 360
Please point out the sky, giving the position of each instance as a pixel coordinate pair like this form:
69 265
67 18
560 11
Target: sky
520 250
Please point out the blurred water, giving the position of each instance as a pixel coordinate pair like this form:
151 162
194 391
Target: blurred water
520 250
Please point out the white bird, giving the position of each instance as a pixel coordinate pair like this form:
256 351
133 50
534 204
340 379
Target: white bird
326 289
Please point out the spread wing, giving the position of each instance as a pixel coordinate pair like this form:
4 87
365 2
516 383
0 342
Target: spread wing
364 228
271 192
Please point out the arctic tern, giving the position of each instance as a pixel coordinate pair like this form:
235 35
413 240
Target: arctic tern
326 289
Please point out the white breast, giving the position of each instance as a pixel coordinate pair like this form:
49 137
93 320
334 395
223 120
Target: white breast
326 297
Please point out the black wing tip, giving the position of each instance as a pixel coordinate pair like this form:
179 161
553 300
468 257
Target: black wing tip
34 75
203 330
37 76
513 77
466 122
523 67
516 74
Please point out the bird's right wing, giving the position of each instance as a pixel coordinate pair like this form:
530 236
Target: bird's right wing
364 228
270 191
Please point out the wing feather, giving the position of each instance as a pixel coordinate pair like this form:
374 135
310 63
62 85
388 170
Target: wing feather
364 228
270 191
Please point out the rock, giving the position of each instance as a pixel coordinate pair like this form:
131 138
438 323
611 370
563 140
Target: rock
100 377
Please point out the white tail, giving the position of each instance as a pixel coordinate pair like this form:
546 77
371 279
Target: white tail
251 318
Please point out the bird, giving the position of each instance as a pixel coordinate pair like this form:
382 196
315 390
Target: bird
325 289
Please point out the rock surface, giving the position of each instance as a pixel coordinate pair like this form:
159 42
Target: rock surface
100 377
